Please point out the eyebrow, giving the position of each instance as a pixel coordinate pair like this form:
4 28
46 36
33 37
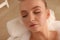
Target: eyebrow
23 11
36 7
32 8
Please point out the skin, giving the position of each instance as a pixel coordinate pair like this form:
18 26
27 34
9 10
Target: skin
34 12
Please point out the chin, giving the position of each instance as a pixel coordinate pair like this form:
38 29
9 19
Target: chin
35 30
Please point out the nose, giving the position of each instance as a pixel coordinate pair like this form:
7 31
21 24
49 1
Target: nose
31 17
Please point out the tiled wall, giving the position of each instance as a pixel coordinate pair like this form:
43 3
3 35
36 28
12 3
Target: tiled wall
7 14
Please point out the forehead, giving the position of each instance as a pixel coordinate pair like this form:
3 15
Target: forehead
28 4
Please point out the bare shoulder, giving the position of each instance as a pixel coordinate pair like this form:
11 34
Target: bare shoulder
53 35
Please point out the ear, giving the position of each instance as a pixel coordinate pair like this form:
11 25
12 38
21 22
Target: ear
48 13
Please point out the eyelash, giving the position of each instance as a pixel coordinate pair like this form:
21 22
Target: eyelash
36 12
25 16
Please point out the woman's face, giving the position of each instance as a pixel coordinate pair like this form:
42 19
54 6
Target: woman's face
34 14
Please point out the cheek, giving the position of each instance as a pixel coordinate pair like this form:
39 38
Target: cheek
25 22
41 19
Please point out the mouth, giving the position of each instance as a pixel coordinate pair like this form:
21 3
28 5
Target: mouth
33 25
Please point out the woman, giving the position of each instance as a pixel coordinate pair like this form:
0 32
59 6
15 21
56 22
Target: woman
34 15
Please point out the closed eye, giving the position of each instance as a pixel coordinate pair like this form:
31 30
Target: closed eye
24 13
24 16
37 12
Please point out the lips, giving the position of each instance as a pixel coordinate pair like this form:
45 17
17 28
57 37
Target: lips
33 25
